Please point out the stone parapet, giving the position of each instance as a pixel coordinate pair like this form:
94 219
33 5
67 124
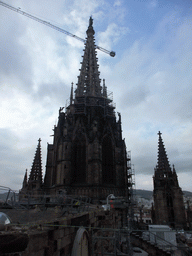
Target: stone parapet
47 237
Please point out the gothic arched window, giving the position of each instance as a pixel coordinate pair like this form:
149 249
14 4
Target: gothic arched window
171 216
108 176
79 160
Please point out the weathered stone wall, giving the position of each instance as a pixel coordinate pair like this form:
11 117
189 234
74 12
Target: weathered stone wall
53 238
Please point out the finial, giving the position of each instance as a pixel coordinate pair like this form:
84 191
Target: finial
159 133
174 168
104 89
90 28
60 110
39 140
90 21
71 96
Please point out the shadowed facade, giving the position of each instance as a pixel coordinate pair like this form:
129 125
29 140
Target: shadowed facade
88 155
34 184
168 196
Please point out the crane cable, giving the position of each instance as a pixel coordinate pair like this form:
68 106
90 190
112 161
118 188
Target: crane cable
18 10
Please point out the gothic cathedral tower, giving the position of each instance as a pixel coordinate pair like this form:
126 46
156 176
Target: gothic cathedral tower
88 155
168 196
34 184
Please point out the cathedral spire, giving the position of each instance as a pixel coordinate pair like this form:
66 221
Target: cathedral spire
168 196
36 169
88 80
163 165
71 95
25 183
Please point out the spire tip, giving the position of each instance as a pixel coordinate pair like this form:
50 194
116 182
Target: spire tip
91 21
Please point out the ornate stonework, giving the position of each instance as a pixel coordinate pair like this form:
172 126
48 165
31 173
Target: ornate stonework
88 155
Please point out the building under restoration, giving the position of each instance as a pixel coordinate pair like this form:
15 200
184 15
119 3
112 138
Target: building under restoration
88 155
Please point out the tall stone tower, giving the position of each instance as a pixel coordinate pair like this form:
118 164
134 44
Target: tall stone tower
168 196
34 184
88 155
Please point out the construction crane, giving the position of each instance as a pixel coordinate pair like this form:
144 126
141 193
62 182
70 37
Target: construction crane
18 10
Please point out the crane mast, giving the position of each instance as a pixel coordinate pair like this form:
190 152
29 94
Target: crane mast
18 10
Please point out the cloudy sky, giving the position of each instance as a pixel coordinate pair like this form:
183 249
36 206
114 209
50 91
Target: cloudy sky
150 77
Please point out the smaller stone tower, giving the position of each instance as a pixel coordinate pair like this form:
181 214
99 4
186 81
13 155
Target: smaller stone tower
34 184
168 196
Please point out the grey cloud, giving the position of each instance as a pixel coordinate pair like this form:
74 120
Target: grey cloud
56 93
14 59
144 164
134 97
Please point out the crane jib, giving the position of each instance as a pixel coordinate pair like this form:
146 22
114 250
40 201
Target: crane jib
18 10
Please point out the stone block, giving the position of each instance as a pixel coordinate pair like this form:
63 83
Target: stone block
63 222
71 230
39 253
68 250
66 231
37 242
65 241
59 244
58 234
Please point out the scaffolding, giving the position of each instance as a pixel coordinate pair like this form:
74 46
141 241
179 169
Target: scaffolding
81 103
108 241
131 189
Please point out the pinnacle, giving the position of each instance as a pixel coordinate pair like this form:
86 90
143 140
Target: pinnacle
90 28
88 80
163 162
36 169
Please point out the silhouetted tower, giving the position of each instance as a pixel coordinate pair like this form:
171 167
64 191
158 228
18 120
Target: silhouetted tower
25 181
36 177
168 196
88 154
34 184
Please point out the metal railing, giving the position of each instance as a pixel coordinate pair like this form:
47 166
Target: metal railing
8 198
162 243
